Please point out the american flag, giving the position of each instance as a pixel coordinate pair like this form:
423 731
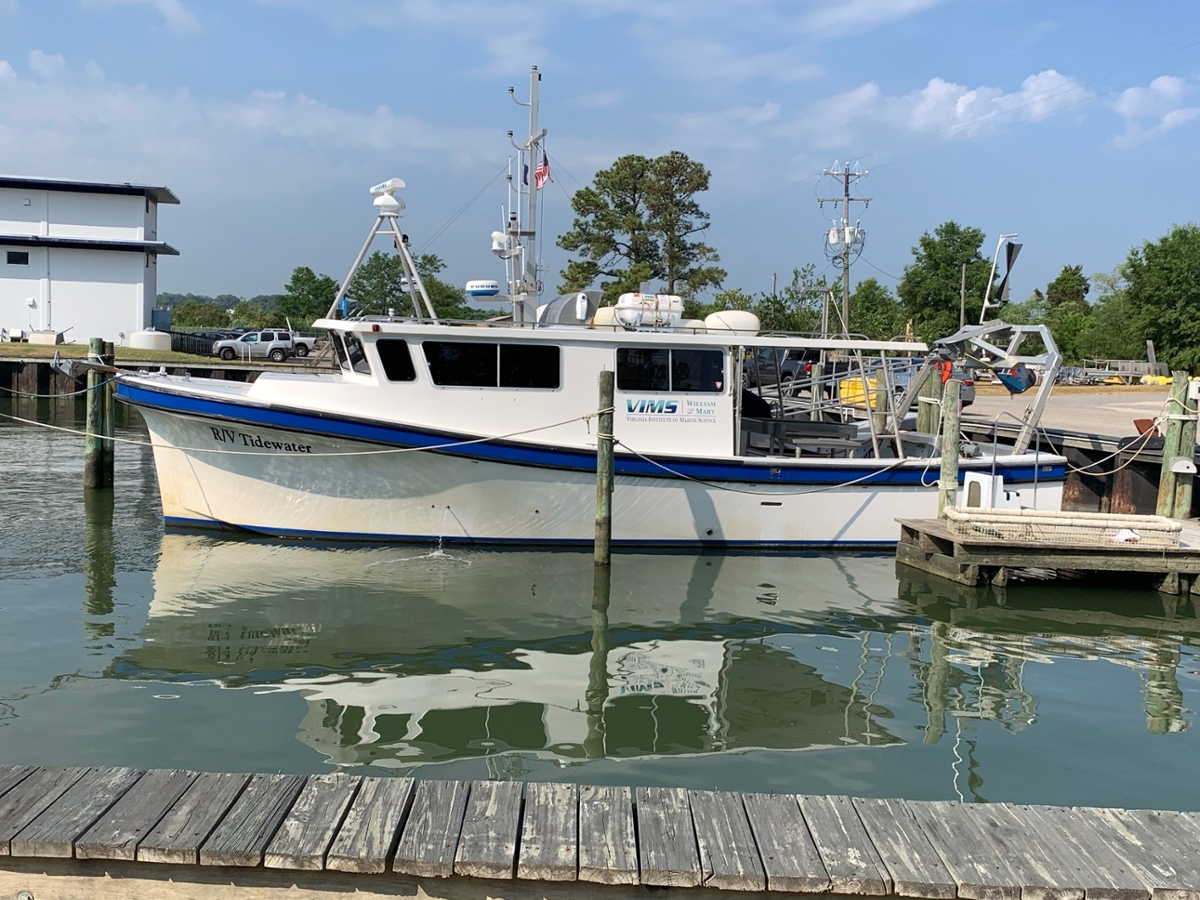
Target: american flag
542 173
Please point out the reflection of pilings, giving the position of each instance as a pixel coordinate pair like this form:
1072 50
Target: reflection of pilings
1164 699
99 562
597 689
935 683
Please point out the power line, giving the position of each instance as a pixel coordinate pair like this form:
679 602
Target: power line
879 270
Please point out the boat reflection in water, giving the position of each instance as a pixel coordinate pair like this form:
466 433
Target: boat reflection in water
405 656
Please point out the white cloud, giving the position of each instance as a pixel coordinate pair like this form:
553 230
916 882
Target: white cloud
861 15
177 17
598 99
46 65
1151 112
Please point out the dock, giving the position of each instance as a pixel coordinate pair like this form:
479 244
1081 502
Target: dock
930 546
75 833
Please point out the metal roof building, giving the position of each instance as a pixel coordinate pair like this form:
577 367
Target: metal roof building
78 257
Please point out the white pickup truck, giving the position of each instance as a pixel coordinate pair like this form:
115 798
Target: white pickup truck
302 345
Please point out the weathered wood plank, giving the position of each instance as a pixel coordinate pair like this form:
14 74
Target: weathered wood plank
1096 868
431 835
116 834
252 821
728 856
850 858
666 838
178 836
1042 875
607 843
915 867
550 833
1146 843
789 856
971 861
11 776
487 845
53 833
311 824
369 834
25 801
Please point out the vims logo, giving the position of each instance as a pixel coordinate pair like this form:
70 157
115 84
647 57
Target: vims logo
652 407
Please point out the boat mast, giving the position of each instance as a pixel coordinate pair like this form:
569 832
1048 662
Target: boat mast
529 287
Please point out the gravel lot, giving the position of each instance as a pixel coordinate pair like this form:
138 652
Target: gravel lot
1103 410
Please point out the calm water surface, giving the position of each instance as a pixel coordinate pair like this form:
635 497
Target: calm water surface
122 645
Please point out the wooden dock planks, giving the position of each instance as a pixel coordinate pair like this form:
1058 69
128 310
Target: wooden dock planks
117 833
55 830
540 833
550 833
312 823
244 832
368 836
666 838
431 836
608 851
179 834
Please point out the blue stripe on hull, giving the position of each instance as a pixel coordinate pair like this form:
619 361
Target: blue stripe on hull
326 425
582 543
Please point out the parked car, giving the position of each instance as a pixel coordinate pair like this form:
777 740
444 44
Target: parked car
302 344
273 345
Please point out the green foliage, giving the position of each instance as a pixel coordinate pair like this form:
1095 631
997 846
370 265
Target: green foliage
197 314
307 296
929 291
1069 290
639 221
1162 287
797 307
874 312
380 285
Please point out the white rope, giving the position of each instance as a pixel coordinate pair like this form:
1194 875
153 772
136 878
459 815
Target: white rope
292 453
58 396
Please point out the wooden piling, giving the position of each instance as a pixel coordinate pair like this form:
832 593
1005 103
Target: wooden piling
948 485
604 471
1187 444
93 447
1172 444
110 409
928 398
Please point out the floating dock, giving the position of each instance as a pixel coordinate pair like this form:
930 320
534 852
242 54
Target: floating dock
930 545
75 833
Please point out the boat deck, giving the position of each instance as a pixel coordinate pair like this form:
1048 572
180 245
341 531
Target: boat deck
121 832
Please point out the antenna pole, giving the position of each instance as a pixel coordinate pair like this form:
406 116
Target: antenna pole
530 288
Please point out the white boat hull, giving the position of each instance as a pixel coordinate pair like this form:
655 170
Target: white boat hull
301 484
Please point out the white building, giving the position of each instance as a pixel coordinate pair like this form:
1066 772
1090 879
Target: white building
79 257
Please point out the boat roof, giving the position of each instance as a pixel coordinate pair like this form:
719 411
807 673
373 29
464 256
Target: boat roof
481 329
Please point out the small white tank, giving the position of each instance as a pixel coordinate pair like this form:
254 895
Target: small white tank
732 320
149 339
695 326
606 317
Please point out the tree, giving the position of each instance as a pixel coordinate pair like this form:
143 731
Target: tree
797 307
1162 287
874 312
195 314
638 222
307 296
929 291
380 284
247 315
1069 290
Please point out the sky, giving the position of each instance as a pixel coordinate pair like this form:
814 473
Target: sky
1075 124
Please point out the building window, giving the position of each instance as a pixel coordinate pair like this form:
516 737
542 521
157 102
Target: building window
18 257
678 371
472 364
397 361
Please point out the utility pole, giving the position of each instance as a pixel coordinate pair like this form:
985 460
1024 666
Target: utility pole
850 237
962 299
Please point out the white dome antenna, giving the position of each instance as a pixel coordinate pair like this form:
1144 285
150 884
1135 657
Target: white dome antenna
386 201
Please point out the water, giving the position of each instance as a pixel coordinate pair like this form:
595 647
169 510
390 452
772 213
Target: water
122 645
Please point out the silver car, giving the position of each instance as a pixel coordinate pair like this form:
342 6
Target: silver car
273 345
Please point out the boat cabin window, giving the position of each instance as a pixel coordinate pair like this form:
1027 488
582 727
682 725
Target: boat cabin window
348 349
656 369
397 361
477 364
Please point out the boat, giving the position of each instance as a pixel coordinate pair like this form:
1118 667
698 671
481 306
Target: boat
486 431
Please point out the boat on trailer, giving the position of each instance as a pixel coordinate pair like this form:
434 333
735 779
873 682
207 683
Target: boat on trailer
424 429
